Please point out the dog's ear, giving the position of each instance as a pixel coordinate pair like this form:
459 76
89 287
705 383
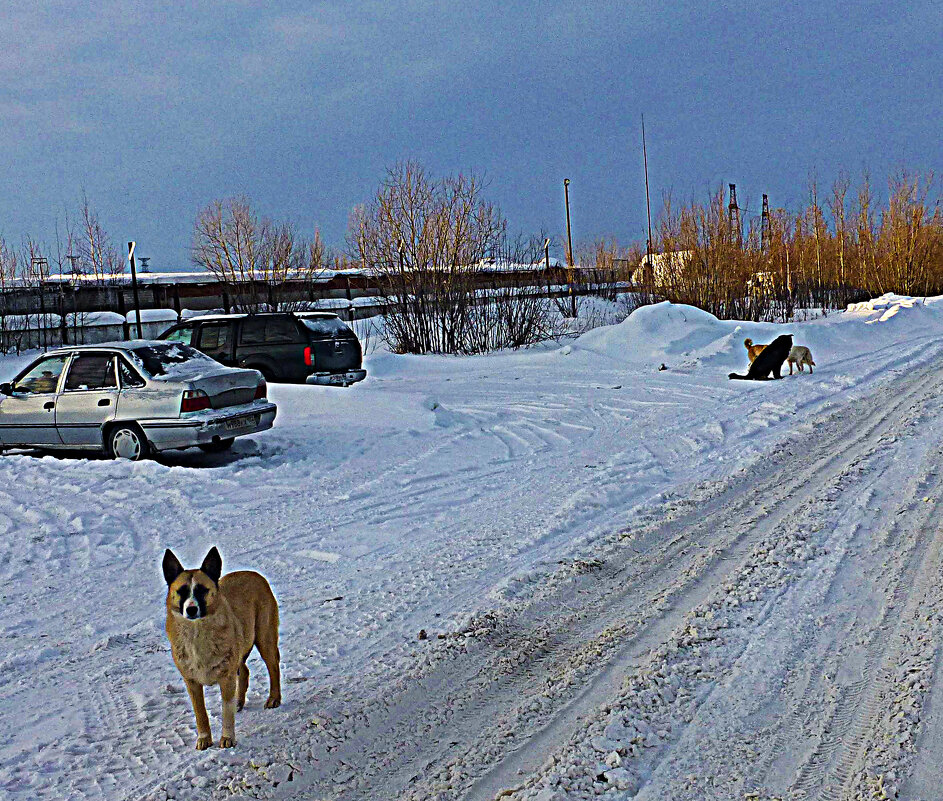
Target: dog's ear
213 565
172 567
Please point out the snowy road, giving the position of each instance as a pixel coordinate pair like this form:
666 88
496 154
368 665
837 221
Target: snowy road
758 639
634 583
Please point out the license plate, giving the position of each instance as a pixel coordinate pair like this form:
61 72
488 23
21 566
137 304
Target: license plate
337 379
242 422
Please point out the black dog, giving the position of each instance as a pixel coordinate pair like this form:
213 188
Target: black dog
769 361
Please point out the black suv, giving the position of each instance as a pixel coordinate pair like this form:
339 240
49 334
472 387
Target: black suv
315 347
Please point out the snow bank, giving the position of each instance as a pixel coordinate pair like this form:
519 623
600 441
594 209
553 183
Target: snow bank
685 338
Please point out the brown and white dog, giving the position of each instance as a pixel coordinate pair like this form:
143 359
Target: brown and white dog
800 356
212 624
752 350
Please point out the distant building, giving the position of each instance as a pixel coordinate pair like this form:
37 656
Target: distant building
661 268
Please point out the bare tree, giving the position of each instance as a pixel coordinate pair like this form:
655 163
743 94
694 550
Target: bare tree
97 256
267 265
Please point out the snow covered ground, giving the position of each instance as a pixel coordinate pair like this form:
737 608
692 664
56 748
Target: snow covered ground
634 582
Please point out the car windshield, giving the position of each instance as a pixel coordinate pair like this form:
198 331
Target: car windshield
171 360
326 326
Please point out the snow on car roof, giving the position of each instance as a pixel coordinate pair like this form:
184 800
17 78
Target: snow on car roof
125 345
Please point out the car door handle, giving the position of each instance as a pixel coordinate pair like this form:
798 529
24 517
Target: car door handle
49 405
105 402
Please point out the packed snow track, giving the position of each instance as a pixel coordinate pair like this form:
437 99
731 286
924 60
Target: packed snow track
761 638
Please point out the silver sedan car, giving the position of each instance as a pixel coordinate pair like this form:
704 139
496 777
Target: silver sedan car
130 399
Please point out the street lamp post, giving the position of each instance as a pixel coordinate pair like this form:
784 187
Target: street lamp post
134 287
569 246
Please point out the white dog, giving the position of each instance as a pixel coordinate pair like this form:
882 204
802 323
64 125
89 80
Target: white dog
800 356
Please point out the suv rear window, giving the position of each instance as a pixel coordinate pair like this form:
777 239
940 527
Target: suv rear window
182 334
326 326
268 331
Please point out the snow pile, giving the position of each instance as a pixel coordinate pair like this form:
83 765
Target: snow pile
685 338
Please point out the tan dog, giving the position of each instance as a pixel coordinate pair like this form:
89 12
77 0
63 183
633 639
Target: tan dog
800 355
212 624
752 350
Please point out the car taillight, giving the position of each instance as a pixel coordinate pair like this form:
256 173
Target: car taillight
261 391
194 400
308 356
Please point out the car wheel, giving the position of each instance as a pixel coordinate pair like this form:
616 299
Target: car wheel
218 446
127 442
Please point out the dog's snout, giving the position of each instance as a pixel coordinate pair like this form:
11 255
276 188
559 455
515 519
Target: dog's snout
192 611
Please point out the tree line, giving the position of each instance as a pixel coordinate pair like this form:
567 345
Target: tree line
843 247
424 238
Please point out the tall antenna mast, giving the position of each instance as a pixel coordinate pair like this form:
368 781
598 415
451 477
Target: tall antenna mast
733 215
765 232
648 204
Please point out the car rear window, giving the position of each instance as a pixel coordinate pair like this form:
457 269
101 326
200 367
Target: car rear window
326 326
172 358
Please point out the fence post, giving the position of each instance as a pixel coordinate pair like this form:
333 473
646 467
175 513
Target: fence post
177 301
63 329
122 310
42 311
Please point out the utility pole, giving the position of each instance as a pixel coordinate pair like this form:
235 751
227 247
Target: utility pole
733 216
40 265
134 288
569 246
648 203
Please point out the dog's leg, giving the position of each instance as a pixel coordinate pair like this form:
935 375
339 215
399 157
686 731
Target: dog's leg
810 369
228 688
267 643
243 685
790 367
204 738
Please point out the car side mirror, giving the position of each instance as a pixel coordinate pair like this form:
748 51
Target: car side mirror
6 389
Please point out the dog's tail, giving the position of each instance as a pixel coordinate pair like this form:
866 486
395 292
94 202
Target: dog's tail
741 377
748 343
812 362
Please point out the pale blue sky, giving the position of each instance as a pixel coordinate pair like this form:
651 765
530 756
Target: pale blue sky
156 108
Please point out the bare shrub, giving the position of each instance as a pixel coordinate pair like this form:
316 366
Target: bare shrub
429 242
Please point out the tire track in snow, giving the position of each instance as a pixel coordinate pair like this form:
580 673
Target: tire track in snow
863 445
482 697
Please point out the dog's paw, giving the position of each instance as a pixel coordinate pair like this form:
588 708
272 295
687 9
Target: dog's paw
240 704
273 701
227 742
204 741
